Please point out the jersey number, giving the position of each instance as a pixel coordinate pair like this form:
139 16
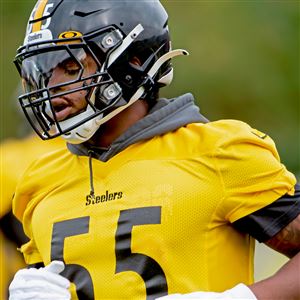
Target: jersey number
145 266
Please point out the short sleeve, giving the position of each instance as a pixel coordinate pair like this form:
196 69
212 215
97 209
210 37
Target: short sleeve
250 170
266 222
30 253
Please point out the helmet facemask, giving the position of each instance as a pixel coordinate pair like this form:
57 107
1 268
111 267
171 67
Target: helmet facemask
79 70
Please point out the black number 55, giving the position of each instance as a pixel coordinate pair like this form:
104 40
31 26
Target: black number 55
150 271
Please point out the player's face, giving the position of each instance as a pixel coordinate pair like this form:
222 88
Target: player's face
68 105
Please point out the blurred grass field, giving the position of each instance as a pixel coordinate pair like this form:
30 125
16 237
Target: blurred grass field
243 64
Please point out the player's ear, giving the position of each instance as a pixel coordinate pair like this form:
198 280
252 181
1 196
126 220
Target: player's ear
136 61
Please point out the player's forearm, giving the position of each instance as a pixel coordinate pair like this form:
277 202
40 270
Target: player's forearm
285 284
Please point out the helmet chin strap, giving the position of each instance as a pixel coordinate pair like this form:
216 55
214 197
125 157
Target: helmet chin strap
83 132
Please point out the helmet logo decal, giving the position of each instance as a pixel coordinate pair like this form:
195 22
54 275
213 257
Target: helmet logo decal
43 9
69 34
38 36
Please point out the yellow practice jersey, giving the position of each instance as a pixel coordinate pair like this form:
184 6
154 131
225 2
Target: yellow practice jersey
160 219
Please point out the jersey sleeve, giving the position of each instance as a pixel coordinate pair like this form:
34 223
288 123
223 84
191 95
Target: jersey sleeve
30 253
23 206
250 170
32 188
10 172
266 222
16 156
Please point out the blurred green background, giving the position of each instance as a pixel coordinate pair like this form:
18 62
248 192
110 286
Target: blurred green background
243 64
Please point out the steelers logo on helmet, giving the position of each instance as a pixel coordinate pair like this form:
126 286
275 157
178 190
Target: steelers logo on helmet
70 37
90 51
69 34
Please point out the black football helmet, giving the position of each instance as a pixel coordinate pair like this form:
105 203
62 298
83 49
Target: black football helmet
63 33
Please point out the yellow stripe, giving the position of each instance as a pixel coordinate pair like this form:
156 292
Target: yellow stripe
38 14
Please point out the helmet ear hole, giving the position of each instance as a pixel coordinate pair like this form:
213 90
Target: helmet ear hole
129 79
135 61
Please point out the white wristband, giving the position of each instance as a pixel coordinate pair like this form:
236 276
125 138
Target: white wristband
241 292
238 292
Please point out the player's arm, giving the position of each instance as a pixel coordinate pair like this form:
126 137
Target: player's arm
277 225
287 241
285 284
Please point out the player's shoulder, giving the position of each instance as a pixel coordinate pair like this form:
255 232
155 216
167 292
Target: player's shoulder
228 132
44 174
45 169
28 148
229 128
50 161
231 135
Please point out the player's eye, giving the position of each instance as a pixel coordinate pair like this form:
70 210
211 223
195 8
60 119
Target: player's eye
72 70
70 67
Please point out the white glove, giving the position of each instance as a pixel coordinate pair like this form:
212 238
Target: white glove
240 291
40 284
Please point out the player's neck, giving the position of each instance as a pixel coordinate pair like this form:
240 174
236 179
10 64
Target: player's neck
112 129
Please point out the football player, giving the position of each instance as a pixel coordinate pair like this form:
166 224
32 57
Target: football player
151 200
